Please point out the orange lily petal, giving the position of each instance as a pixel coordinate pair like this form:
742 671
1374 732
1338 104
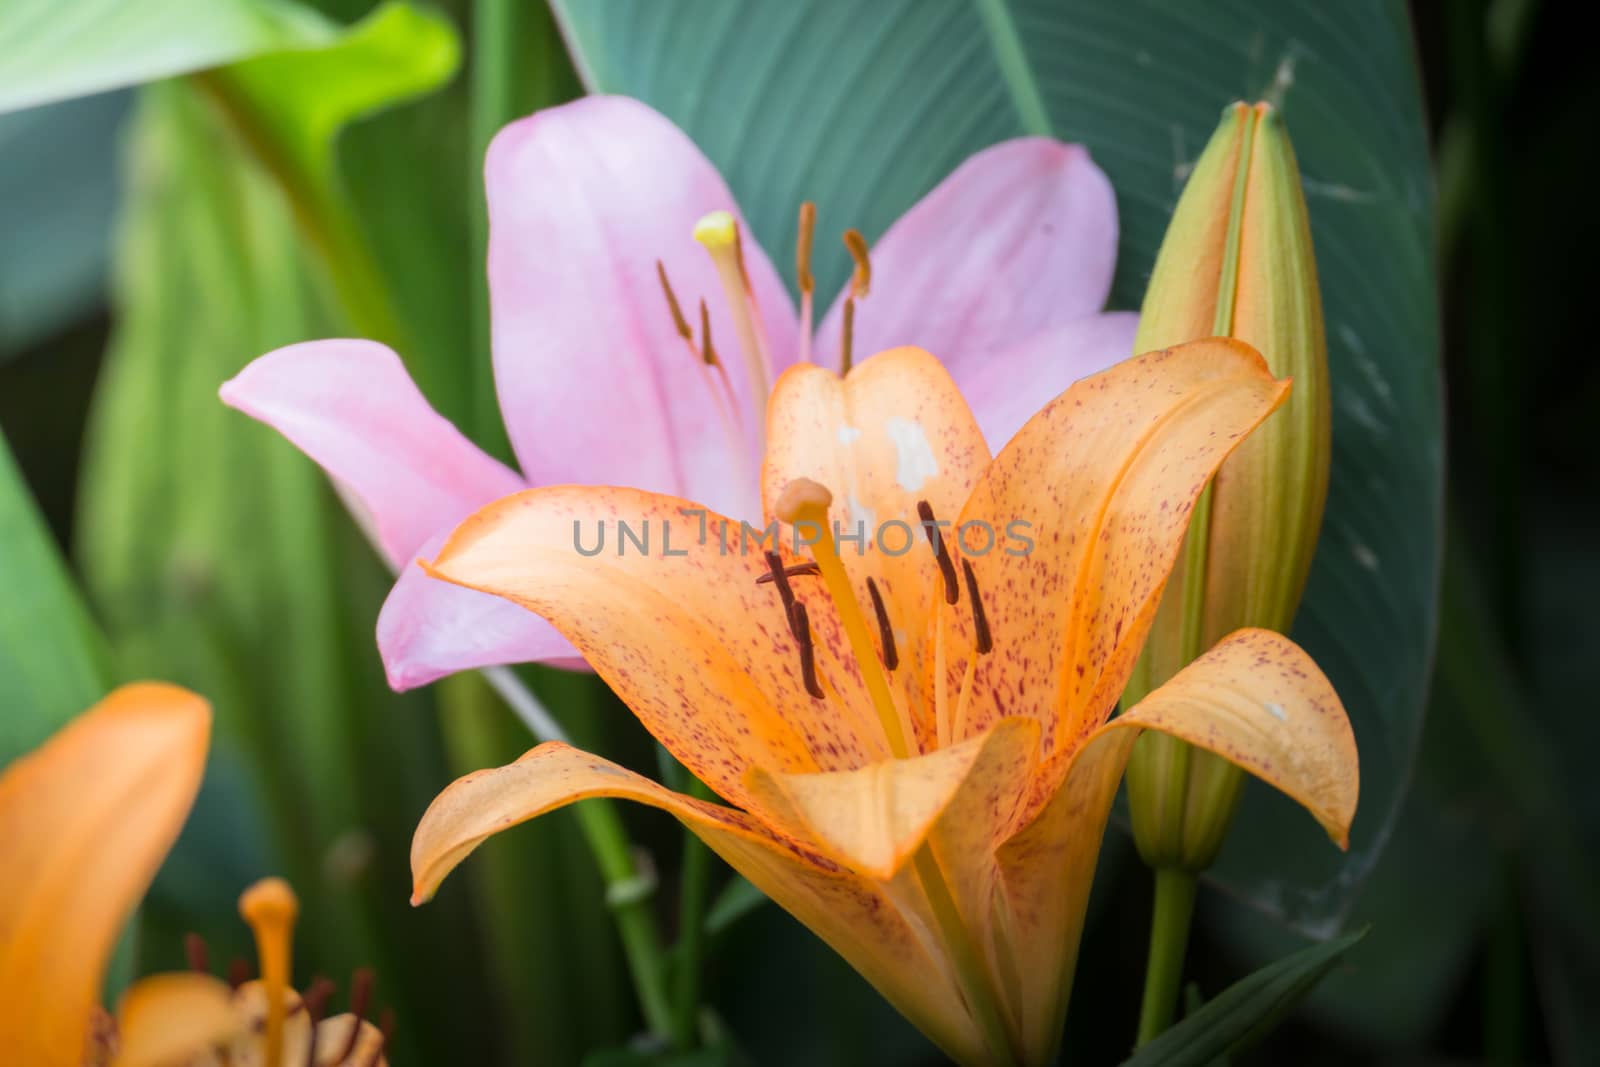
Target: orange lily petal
1046 871
85 821
683 633
851 913
891 433
1106 475
874 818
1256 699
171 1018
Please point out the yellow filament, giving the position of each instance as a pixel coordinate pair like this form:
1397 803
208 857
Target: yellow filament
805 501
719 233
270 907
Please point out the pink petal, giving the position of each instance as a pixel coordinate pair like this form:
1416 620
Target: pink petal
428 629
1020 238
405 471
1005 389
595 384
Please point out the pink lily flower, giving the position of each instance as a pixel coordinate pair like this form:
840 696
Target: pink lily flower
1001 271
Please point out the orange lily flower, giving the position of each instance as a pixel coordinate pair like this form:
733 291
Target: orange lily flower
85 821
913 729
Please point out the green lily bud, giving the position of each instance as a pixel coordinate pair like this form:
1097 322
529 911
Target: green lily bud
1236 261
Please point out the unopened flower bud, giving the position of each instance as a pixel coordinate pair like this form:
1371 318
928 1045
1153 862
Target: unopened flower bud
1236 261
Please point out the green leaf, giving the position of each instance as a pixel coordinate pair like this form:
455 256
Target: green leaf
864 107
297 102
55 51
53 661
1245 1011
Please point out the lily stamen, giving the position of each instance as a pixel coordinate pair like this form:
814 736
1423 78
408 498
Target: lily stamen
806 501
238 972
719 233
861 280
800 626
196 953
705 357
803 276
891 654
315 1002
847 336
947 567
778 574
360 999
984 641
794 570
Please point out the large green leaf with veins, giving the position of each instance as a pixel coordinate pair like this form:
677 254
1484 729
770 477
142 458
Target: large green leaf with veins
863 107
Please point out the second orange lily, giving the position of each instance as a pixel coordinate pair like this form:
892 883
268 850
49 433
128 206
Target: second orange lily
905 692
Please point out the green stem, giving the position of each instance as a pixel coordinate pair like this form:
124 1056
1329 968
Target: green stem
977 987
693 892
629 888
1015 69
1169 940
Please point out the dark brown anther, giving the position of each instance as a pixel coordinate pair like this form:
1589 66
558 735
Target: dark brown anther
238 972
800 623
947 567
778 575
679 323
793 570
861 280
708 352
980 621
891 654
847 343
316 1004
802 248
195 951
360 999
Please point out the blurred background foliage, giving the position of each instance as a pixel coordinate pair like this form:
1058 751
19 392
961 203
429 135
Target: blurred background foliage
303 170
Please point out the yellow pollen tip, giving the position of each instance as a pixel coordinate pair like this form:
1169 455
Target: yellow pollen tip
803 500
717 231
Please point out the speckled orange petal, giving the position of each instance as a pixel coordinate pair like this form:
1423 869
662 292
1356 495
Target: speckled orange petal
1046 871
1257 700
893 432
175 1018
680 630
872 819
85 821
851 913
1105 478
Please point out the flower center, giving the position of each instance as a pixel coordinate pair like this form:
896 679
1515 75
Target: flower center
804 505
